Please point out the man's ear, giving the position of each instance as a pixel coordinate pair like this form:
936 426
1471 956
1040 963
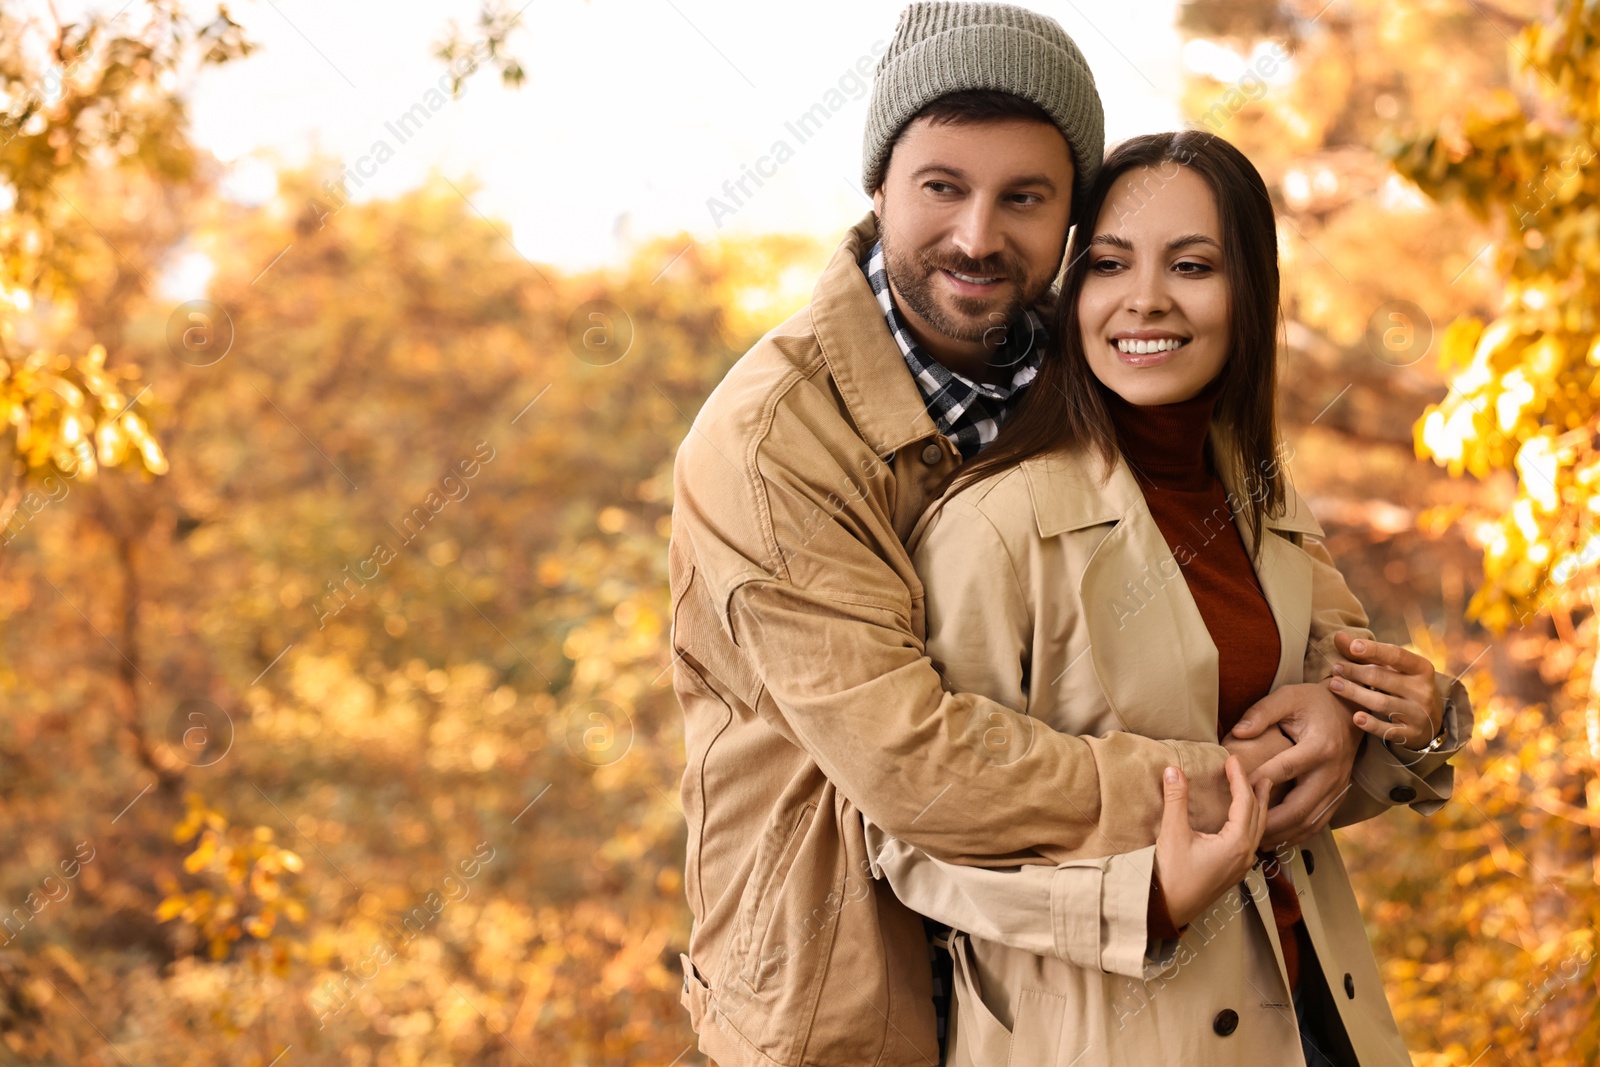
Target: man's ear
877 200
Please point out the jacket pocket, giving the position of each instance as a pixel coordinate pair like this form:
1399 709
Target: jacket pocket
976 1037
750 957
1040 1034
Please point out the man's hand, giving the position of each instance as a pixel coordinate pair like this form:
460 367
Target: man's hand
1325 745
1196 868
1255 752
1396 688
1208 805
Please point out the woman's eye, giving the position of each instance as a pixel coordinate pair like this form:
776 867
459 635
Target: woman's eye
1191 267
1104 266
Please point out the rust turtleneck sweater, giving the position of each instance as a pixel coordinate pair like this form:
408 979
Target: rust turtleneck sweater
1168 447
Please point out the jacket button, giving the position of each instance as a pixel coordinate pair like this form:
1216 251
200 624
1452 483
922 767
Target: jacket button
931 454
1226 1022
1402 794
1349 987
1311 861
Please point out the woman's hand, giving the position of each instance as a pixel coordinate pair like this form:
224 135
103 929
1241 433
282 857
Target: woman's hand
1397 688
1195 868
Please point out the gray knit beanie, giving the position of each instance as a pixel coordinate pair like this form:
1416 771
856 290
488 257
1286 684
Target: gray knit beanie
942 47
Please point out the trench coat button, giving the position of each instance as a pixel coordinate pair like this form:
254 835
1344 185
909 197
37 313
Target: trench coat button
1349 987
931 454
1402 794
1226 1022
1311 861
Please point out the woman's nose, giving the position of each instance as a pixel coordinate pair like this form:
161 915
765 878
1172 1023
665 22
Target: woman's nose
1147 294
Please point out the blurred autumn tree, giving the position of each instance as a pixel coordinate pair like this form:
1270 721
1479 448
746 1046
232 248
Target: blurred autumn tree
95 171
1484 915
1524 397
352 732
81 101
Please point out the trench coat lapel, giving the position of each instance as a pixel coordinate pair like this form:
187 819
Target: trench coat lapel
1284 572
1145 630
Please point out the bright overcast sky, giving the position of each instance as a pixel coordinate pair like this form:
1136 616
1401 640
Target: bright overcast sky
634 112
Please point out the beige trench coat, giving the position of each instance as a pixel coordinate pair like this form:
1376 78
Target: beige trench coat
1050 592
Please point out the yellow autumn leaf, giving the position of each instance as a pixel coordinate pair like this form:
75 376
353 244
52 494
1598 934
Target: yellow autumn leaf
202 854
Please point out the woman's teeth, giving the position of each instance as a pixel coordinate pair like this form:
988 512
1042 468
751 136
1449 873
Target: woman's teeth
1143 348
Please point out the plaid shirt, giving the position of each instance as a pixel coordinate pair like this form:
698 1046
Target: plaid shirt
968 412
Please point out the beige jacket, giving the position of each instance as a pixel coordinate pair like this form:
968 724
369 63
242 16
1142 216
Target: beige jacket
808 701
1052 593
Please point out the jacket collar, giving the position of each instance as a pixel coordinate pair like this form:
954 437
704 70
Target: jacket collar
866 363
1067 495
862 355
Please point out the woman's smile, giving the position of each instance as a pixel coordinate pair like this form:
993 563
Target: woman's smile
1146 348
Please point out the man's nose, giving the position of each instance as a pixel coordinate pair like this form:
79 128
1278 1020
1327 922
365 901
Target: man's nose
977 233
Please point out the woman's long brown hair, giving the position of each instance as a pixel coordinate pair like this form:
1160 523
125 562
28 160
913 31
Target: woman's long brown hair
1064 407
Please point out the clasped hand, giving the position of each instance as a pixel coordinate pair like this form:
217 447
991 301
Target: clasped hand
1289 765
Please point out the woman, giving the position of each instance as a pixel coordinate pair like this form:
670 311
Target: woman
1129 555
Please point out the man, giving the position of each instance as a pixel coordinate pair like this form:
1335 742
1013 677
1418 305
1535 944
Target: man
797 616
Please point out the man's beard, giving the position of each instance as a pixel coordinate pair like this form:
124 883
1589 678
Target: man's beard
977 318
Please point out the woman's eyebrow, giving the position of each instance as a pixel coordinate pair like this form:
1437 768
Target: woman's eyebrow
1192 239
1118 241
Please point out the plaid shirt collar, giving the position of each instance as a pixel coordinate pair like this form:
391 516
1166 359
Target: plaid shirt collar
968 412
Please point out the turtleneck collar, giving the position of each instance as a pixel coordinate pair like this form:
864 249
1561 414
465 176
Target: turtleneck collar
1166 444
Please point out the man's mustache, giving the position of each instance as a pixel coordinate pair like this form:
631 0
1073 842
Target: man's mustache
972 268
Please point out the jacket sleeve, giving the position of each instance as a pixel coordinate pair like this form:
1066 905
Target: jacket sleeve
1088 912
793 544
1091 912
1385 774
